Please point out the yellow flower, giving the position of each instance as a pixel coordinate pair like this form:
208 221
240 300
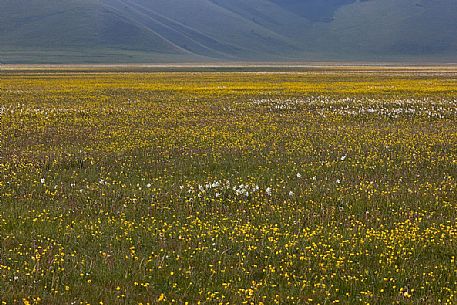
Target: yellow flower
161 298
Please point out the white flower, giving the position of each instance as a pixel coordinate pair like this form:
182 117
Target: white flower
298 175
148 185
268 191
217 195
338 181
291 193
42 180
343 157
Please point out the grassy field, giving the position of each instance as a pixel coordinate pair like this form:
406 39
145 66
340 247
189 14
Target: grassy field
323 186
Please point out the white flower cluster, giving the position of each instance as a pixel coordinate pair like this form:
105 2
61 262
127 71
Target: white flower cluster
392 108
221 188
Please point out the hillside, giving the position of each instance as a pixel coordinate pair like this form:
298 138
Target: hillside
202 30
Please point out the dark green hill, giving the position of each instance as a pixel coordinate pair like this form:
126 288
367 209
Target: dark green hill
203 30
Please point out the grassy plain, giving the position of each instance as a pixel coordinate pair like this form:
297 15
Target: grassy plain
322 186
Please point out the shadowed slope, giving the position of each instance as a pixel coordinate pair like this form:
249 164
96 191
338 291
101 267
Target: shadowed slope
189 30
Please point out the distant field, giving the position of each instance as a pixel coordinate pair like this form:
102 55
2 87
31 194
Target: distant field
315 186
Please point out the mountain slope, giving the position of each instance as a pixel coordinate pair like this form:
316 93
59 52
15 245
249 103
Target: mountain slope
201 30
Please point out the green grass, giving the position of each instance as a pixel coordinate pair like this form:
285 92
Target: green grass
311 187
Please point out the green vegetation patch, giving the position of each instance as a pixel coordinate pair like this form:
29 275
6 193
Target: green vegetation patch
317 187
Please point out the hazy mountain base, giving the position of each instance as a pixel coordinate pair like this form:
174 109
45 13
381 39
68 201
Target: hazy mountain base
95 56
116 56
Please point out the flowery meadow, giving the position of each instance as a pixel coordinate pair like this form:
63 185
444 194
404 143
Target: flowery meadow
323 186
